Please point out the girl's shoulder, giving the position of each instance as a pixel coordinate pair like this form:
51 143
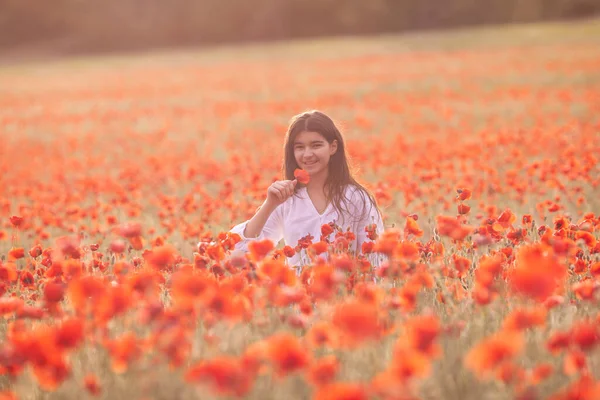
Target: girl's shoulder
357 195
355 192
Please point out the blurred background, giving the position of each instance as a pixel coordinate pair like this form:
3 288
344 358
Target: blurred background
34 28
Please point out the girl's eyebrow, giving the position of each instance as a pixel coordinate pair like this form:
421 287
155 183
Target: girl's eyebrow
314 141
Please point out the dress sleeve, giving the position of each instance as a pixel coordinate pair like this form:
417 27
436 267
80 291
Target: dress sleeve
272 230
370 216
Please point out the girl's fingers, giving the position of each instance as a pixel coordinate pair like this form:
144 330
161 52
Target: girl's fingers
284 189
280 193
284 194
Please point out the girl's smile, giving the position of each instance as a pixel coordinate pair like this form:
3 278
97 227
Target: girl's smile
313 152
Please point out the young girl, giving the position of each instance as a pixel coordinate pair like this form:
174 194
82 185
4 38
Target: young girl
292 210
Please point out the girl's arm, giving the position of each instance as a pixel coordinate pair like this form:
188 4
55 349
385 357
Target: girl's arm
371 217
256 224
267 223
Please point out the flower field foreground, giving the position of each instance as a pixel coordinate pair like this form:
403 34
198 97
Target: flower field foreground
120 180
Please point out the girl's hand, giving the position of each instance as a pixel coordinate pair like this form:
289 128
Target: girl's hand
280 191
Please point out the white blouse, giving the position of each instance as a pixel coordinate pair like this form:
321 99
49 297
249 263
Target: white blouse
298 217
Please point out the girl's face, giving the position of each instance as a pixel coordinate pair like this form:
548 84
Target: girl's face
312 152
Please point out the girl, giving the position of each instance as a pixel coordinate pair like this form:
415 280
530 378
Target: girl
292 210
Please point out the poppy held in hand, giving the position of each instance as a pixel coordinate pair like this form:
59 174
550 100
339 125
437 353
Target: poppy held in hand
302 176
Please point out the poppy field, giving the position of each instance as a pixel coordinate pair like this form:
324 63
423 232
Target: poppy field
121 176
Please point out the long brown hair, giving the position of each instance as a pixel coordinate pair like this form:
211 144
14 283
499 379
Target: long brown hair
339 176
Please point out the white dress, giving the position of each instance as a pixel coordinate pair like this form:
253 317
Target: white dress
298 217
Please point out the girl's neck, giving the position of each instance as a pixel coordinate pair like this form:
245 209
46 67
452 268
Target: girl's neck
317 183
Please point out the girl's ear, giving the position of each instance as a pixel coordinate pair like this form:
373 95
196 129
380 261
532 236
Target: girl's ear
333 147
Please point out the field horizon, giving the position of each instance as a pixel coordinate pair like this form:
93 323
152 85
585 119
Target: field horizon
582 30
